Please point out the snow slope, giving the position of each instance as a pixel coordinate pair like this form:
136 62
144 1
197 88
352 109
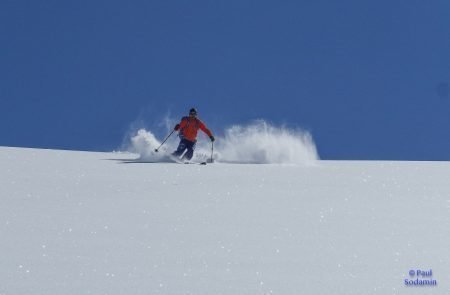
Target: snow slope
95 223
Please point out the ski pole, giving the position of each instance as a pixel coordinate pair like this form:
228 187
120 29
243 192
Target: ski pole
156 150
212 151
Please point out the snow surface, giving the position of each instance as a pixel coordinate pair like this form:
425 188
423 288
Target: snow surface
98 223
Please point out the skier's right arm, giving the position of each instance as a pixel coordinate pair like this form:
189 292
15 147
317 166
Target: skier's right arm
180 125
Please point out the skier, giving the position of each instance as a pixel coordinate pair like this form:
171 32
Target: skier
188 133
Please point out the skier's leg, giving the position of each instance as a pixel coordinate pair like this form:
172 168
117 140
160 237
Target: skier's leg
190 146
180 149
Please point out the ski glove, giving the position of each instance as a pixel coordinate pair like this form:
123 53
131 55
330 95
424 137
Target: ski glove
176 127
212 138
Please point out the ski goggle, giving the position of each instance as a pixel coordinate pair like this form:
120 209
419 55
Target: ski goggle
192 114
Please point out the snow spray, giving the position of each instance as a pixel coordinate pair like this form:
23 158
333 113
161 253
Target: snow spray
257 143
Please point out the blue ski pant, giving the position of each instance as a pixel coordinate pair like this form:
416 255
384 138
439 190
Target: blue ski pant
185 145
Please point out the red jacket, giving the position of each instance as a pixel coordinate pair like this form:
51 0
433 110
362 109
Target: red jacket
189 128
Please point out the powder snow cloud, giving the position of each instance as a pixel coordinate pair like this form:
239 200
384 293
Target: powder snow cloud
258 142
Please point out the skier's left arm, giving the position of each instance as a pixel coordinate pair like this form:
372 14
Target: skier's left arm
208 132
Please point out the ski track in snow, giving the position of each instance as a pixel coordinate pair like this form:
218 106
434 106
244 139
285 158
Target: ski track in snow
99 223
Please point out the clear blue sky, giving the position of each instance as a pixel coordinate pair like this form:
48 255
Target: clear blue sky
369 79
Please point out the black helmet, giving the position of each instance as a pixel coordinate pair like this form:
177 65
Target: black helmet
193 111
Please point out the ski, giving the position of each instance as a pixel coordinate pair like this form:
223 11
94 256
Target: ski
181 161
195 163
